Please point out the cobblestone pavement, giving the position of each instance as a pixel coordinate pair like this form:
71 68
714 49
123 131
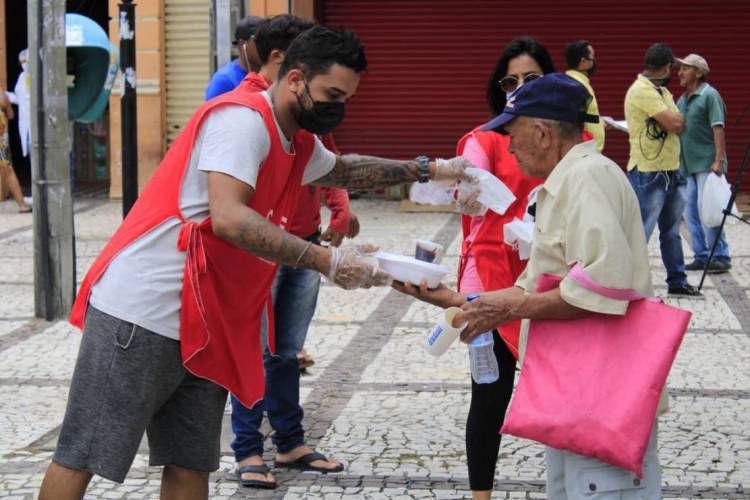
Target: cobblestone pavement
375 399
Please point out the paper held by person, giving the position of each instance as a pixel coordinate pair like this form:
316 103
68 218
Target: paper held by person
621 125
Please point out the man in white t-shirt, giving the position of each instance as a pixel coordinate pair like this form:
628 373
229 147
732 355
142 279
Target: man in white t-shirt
177 294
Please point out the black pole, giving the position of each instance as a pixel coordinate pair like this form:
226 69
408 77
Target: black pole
41 180
128 108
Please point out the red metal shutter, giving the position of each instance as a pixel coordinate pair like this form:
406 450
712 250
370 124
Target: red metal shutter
430 61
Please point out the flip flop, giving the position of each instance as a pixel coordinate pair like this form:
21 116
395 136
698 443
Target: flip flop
303 464
255 483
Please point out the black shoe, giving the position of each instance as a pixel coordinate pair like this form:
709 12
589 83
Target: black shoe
719 267
685 290
696 265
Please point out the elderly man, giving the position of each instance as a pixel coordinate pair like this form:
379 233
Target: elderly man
703 152
586 213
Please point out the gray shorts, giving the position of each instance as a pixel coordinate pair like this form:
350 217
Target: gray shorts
128 380
573 477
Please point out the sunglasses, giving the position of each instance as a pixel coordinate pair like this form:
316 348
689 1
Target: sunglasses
511 83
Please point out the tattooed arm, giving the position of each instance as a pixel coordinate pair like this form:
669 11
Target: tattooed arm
235 222
369 172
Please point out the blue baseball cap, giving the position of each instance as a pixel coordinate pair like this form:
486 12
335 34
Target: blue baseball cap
554 96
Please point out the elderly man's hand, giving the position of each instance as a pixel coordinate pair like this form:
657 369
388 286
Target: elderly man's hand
717 168
442 296
490 310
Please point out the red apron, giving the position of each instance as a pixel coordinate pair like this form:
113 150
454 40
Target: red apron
498 263
309 196
255 82
224 288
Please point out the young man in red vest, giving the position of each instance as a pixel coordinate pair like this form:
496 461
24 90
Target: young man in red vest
173 304
295 294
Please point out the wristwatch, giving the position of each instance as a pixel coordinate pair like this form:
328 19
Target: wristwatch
423 174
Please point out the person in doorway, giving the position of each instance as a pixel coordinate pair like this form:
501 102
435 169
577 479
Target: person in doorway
8 179
172 307
581 61
295 294
654 126
21 96
703 149
586 213
229 76
487 262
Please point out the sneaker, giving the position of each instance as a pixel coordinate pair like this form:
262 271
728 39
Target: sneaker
696 265
684 290
719 267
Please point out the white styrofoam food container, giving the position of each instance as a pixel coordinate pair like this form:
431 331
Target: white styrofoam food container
404 268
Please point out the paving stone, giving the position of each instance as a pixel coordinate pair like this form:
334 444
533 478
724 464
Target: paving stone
398 418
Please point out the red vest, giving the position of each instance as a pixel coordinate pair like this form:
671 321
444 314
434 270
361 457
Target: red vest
309 195
256 82
225 288
497 263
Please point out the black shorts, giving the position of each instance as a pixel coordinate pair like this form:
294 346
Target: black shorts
128 380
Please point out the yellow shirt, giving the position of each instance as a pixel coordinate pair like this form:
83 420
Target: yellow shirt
587 213
644 100
596 129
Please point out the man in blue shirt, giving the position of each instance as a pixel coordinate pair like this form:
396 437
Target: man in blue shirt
230 75
703 153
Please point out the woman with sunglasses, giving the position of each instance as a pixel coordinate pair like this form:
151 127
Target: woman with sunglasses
487 262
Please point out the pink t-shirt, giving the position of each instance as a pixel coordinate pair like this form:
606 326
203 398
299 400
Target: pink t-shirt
470 281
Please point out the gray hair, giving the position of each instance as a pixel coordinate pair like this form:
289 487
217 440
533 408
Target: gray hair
23 55
567 130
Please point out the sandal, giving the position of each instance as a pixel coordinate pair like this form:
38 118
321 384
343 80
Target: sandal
256 483
25 209
303 464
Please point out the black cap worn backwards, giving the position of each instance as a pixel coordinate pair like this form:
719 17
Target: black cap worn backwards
246 28
659 54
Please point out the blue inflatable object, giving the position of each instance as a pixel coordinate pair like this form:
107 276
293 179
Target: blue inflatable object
93 63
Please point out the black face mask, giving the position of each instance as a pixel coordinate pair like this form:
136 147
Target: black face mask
591 70
662 82
323 117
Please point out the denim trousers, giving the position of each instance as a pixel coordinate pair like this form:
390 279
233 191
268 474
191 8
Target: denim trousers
661 196
702 237
295 295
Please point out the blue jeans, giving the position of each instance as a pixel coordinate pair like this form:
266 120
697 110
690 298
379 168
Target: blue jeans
295 295
702 237
661 196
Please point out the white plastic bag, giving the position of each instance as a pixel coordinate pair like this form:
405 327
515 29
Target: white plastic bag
493 193
716 194
431 193
520 235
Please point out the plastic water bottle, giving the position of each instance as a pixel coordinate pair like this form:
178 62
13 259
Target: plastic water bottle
484 369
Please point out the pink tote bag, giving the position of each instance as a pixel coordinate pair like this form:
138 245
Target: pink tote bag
592 385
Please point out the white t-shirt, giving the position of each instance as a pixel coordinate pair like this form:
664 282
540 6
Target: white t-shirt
143 283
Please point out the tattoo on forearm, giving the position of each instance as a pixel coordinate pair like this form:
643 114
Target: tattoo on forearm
369 172
261 237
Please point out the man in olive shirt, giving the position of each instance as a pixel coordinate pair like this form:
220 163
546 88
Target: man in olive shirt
581 62
586 213
703 153
654 123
